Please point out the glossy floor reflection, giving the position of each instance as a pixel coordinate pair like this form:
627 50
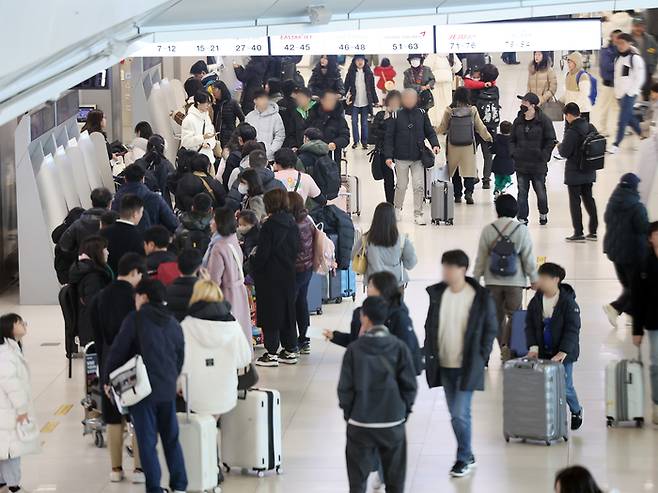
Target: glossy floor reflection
313 440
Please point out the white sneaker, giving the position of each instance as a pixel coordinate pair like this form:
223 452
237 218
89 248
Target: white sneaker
612 149
420 220
138 477
117 476
377 484
629 320
398 215
611 313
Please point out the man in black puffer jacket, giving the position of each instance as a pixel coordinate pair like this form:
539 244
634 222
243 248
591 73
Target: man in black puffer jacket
179 292
625 240
329 117
531 143
579 181
88 223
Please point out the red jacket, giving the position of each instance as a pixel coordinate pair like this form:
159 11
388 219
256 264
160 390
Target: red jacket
384 74
475 84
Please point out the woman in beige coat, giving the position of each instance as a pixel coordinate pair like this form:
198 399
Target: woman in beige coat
224 261
541 77
461 159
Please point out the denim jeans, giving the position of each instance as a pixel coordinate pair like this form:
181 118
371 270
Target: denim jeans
538 181
150 419
626 117
653 366
10 472
572 397
363 113
459 405
302 279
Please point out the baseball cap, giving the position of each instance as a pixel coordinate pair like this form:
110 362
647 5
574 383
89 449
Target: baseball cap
530 97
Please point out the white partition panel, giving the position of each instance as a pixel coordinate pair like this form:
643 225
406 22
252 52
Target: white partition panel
178 92
80 179
102 161
88 152
160 120
170 97
52 199
66 178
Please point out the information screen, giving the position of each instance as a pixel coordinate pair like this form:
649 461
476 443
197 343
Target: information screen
207 47
367 42
577 34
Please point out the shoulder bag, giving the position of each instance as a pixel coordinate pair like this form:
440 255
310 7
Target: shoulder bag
553 109
360 260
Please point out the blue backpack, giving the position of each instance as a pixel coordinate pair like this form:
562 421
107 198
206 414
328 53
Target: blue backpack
593 85
504 259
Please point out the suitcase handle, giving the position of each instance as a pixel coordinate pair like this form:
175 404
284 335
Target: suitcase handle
186 396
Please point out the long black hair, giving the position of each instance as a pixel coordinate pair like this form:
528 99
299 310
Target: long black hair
332 65
576 479
384 228
387 285
94 122
366 66
545 61
154 150
461 97
7 322
253 180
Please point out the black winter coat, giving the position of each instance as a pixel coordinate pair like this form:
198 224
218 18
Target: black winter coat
570 149
88 280
155 259
377 133
333 125
121 239
531 143
86 225
377 379
350 85
273 269
64 258
406 134
644 294
157 177
481 330
232 162
319 82
503 164
337 222
225 112
291 121
154 334
192 184
179 293
627 225
564 324
156 210
252 77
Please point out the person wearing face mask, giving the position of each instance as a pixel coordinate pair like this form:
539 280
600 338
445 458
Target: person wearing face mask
197 130
421 79
251 188
157 167
326 77
531 143
248 231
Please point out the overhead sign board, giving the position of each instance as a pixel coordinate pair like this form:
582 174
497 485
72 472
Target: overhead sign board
577 34
208 47
367 42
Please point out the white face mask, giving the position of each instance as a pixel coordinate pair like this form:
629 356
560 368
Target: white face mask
243 188
415 62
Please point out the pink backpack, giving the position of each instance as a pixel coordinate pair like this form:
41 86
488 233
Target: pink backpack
324 252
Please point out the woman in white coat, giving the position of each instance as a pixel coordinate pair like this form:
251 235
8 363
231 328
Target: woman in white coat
16 408
444 74
197 130
215 350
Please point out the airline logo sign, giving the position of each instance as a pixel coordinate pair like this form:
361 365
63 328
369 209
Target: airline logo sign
208 47
371 41
578 34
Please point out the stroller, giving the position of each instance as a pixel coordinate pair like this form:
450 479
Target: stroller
93 422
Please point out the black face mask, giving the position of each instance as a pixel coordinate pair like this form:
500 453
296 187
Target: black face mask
524 108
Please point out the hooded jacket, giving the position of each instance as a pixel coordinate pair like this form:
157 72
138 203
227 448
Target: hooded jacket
193 128
225 112
290 118
179 293
377 382
531 143
267 178
156 210
564 325
88 279
577 84
481 330
571 149
310 152
85 226
269 128
627 225
333 125
215 349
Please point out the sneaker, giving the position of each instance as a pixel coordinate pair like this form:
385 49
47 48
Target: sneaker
523 221
469 199
287 357
364 146
629 320
268 359
543 219
117 476
505 353
460 469
497 193
305 348
592 237
654 417
576 238
398 215
486 184
472 462
377 483
420 220
138 477
458 200
611 313
355 145
577 420
613 149
558 157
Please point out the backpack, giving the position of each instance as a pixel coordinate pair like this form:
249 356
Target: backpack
326 174
488 109
192 238
167 272
504 259
462 127
593 85
592 151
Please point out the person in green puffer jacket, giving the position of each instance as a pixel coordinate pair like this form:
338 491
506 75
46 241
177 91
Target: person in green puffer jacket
194 230
315 158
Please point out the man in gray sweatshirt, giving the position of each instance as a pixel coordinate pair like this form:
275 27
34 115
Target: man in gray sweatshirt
504 282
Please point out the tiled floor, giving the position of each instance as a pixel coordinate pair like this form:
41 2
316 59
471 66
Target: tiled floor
313 437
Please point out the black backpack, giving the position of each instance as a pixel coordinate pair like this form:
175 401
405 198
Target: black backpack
592 151
326 174
488 108
504 258
192 238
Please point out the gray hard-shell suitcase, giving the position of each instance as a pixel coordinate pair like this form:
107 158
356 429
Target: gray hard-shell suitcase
316 289
443 202
534 400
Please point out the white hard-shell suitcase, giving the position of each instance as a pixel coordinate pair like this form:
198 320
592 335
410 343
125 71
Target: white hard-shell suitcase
353 188
624 392
251 432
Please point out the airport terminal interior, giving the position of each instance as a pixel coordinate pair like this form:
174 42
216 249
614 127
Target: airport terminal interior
622 458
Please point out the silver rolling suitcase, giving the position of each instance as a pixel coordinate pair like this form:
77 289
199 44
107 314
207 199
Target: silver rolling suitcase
251 432
353 189
534 400
443 203
624 388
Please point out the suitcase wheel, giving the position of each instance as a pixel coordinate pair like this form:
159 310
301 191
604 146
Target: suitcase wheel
609 422
279 470
319 311
99 440
260 474
639 422
450 222
338 301
548 443
507 438
353 296
565 438
227 468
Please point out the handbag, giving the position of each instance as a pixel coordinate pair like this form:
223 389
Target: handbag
554 110
247 377
376 164
27 431
425 99
130 382
360 260
427 156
